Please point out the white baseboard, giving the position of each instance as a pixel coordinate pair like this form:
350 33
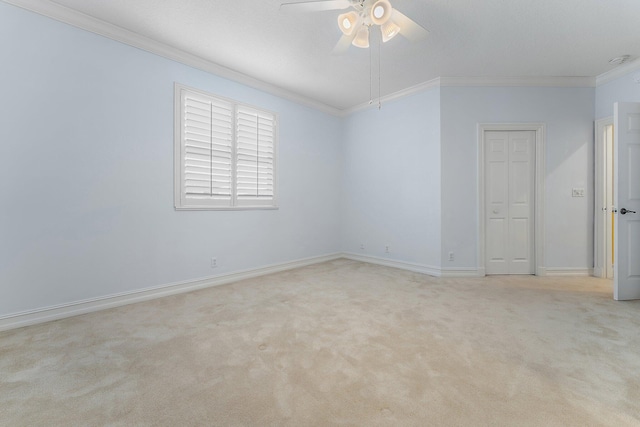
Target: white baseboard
452 272
75 308
418 268
461 272
570 272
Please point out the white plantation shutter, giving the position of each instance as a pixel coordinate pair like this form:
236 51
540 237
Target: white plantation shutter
207 148
255 139
225 153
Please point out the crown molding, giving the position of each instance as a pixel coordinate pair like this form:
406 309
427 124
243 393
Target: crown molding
396 95
97 26
519 81
478 81
618 72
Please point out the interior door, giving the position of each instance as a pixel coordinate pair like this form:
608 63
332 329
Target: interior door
509 202
626 275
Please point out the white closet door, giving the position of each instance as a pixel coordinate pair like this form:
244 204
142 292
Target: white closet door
509 200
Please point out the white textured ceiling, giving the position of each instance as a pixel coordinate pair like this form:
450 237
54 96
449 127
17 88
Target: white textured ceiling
292 49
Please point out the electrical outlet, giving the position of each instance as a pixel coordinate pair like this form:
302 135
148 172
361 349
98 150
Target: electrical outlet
577 192
214 262
361 246
386 249
451 256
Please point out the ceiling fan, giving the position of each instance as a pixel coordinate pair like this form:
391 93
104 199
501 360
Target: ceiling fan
357 23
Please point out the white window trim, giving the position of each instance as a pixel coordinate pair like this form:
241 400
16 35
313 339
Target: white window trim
236 204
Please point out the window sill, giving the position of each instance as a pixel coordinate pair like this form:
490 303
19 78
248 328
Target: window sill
227 208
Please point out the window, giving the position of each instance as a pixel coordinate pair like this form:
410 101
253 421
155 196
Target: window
225 153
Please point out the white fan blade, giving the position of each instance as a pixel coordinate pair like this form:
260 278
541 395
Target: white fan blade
409 28
343 44
318 5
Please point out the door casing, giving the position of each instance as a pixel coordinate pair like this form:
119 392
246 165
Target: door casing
539 141
601 216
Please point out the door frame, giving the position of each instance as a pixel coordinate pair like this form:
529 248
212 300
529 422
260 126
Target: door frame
600 221
539 228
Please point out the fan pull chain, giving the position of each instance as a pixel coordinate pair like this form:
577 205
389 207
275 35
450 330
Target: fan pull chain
370 78
379 74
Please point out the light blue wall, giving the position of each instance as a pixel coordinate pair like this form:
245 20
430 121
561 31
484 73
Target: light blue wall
391 187
568 115
622 89
86 173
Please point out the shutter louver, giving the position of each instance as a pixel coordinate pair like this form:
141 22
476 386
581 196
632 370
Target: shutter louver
255 136
207 134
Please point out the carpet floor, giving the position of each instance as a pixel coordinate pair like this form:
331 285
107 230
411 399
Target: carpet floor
338 343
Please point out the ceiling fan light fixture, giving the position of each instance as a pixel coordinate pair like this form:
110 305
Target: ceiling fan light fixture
347 22
381 12
389 30
362 38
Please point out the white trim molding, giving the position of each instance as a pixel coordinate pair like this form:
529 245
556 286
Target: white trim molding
76 308
417 268
600 220
402 265
519 81
619 71
461 272
540 179
80 20
569 272
433 83
477 82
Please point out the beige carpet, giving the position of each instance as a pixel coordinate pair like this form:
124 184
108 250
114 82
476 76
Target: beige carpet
340 343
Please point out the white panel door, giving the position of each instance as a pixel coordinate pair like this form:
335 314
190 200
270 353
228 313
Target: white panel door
497 202
626 274
509 202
